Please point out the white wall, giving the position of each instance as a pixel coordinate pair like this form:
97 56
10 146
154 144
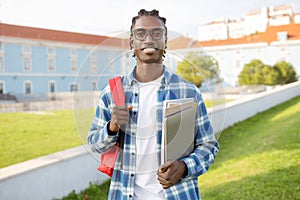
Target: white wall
52 176
56 175
223 116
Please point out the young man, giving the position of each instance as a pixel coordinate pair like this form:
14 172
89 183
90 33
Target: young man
138 173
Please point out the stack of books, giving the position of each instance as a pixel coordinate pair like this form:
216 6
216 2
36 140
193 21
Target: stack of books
178 128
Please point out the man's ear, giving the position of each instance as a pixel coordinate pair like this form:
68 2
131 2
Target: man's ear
131 43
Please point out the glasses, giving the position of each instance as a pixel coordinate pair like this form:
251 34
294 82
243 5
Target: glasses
141 34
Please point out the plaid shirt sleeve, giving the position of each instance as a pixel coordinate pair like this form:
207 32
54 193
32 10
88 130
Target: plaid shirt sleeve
98 137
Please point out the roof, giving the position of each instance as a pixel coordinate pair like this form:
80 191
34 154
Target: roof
17 31
270 35
183 42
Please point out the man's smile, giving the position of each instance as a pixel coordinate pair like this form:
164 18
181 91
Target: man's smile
149 50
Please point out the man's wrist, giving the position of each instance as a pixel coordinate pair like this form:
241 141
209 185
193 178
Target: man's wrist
185 169
111 132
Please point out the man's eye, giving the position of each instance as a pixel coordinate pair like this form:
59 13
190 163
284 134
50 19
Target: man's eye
140 33
157 33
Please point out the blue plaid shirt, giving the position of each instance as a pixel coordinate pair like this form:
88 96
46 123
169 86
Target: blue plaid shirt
198 162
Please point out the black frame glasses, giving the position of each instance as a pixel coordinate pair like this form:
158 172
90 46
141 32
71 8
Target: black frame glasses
141 33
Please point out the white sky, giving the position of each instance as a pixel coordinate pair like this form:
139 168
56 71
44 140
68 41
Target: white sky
108 16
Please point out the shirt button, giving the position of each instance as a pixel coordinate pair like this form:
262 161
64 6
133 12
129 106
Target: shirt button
135 94
130 196
134 112
132 175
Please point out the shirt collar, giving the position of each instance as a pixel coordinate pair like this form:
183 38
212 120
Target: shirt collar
165 80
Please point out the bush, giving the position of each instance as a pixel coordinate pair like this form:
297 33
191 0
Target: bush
258 73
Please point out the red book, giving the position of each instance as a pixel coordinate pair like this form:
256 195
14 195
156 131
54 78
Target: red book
109 158
117 91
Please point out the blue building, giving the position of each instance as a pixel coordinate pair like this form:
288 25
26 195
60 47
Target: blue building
35 62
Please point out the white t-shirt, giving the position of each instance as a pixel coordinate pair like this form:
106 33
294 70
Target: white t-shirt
147 186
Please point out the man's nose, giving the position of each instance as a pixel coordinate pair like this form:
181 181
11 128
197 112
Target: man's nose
148 37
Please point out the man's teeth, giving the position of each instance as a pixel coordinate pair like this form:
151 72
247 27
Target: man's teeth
149 50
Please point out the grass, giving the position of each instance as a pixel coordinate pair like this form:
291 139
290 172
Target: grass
259 159
24 136
93 192
27 135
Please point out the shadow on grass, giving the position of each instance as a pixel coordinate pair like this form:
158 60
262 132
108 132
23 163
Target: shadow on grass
277 184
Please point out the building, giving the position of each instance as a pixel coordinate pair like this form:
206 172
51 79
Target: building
217 30
277 43
255 21
35 62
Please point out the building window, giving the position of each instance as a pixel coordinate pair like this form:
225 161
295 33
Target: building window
93 62
1 63
51 51
28 89
73 52
73 59
51 59
51 64
26 49
27 63
1 87
52 86
73 64
111 66
73 87
94 85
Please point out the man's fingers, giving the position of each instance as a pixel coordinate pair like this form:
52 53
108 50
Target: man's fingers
165 167
164 182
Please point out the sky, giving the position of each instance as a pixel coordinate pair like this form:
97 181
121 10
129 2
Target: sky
106 17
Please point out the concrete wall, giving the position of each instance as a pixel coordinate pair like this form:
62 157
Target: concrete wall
60 101
52 176
225 115
56 175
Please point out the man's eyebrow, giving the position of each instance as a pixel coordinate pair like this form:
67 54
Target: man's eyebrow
159 28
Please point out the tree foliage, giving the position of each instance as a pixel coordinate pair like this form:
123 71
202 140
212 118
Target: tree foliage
286 72
198 67
258 73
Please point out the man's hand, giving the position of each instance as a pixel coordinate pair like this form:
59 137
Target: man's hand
170 172
120 116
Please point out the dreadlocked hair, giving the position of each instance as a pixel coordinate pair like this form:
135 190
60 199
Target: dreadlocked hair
144 12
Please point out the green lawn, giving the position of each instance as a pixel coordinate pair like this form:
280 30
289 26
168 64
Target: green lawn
27 135
259 160
24 136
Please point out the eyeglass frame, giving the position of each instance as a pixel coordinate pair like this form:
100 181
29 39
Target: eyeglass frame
149 32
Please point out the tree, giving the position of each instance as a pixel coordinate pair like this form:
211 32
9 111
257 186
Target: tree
270 75
286 72
198 67
252 73
256 72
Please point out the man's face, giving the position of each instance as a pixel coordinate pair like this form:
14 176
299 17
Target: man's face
148 40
